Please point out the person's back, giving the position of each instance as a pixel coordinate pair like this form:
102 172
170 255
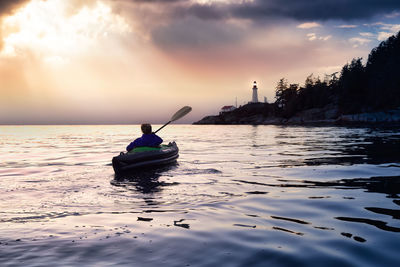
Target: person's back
148 138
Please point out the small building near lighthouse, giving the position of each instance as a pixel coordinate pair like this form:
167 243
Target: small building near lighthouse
227 109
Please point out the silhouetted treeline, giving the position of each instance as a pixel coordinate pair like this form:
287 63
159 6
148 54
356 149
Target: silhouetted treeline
359 88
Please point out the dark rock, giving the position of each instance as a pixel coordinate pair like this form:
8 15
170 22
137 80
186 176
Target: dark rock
263 113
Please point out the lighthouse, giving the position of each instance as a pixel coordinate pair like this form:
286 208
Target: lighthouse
254 99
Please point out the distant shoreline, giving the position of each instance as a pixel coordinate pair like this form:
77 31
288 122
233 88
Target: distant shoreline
81 124
363 94
257 114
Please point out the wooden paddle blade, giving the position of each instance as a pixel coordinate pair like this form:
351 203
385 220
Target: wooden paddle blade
180 113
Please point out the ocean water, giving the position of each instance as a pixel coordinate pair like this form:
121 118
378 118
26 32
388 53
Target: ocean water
238 196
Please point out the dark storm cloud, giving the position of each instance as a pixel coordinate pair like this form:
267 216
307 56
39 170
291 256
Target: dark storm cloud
153 1
7 6
194 33
192 24
301 10
204 11
316 9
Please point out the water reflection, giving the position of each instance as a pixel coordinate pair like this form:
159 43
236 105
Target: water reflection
378 224
180 224
337 146
298 215
145 182
391 212
287 230
356 238
254 135
359 150
389 185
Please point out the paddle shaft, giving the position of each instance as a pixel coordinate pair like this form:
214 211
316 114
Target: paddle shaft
179 114
163 126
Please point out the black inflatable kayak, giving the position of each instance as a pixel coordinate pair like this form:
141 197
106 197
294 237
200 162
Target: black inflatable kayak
145 158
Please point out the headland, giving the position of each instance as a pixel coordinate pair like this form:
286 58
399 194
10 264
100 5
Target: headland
359 94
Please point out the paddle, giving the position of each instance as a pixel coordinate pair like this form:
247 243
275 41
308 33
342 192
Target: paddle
179 114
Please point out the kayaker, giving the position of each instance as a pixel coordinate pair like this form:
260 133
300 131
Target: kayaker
148 138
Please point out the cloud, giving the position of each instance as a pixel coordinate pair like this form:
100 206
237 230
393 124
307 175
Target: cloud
367 34
347 26
60 35
393 28
192 33
7 6
262 11
308 25
301 10
393 15
318 9
156 1
357 41
180 51
380 30
185 23
384 35
385 30
314 36
325 38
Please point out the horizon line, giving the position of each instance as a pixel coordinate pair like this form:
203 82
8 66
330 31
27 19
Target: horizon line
80 124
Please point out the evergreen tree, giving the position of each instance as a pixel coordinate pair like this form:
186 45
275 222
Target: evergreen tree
352 87
359 88
383 72
279 92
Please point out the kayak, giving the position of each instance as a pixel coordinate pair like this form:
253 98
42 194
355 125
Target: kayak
142 158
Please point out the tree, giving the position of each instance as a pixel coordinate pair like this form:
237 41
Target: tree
352 87
358 88
383 69
286 97
279 91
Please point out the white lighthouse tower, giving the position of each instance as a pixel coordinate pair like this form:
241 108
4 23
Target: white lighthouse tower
254 99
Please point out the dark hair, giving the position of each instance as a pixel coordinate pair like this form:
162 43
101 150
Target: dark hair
146 128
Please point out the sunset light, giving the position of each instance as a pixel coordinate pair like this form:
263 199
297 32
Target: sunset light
89 61
199 133
49 31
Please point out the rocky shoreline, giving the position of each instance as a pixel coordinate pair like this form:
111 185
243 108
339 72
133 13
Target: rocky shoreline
260 114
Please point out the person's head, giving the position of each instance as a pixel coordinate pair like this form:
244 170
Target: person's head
146 128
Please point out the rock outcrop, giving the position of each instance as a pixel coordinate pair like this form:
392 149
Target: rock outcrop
373 117
264 114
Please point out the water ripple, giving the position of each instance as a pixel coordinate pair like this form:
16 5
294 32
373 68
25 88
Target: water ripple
239 196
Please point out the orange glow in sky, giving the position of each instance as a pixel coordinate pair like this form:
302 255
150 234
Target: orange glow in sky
103 61
46 29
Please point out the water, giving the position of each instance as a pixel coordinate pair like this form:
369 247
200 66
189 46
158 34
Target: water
238 196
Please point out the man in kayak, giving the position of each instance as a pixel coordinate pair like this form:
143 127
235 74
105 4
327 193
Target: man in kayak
148 138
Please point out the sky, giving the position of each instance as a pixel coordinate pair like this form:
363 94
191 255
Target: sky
133 61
